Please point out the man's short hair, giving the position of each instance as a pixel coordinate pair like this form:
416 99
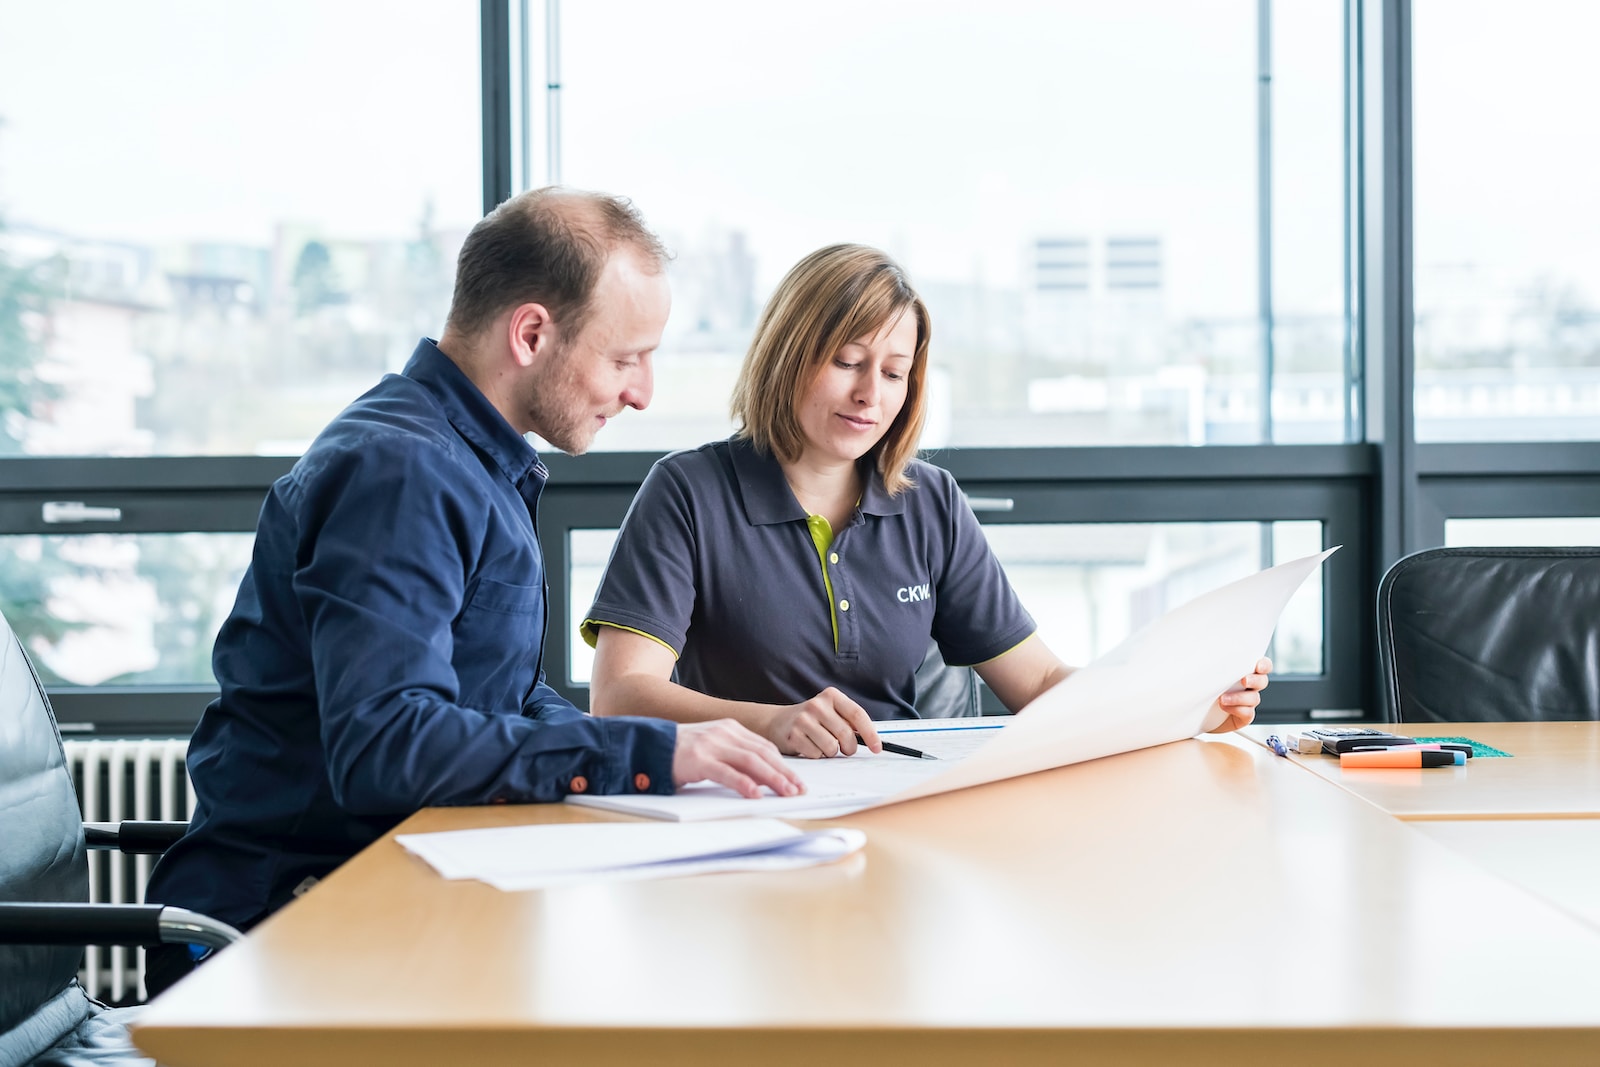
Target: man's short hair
830 298
544 246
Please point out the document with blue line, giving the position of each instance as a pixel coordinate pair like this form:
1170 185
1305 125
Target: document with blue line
1158 686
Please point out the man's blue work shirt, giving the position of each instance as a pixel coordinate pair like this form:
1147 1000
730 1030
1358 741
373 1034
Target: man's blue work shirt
385 653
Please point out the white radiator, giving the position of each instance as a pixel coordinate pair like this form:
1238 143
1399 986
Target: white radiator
119 780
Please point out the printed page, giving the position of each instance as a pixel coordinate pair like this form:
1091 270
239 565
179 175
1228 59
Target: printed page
703 800
566 848
886 773
805 850
833 786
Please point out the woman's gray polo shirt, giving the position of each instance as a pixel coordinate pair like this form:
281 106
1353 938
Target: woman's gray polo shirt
716 560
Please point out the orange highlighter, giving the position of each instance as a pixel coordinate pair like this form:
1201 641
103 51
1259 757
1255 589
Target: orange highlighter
1402 757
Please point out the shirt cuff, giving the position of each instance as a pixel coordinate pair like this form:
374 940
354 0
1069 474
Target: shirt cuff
641 751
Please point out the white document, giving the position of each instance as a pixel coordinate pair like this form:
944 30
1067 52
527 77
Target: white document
804 850
836 786
533 857
1157 686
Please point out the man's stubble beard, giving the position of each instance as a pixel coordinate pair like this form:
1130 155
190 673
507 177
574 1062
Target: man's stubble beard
553 400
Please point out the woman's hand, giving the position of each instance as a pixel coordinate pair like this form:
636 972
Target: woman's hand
824 726
1239 703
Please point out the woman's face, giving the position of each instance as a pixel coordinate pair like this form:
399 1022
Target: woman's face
859 392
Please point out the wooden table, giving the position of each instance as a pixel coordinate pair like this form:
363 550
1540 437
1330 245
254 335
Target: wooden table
1553 772
1558 859
1200 902
1532 819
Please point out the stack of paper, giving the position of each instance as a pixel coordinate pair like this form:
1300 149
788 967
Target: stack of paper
537 857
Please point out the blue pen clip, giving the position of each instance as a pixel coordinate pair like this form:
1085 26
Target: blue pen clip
1275 743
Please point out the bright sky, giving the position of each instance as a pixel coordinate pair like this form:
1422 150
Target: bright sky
1507 157
949 133
211 121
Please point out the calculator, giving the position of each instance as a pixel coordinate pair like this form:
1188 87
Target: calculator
1337 739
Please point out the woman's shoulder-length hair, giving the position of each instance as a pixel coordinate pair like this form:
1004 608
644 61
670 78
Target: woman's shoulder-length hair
833 296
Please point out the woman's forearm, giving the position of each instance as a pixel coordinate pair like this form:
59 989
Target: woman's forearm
661 698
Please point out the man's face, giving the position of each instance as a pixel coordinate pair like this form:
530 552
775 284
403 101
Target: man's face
590 378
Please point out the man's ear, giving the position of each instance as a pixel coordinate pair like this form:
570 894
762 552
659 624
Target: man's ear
531 333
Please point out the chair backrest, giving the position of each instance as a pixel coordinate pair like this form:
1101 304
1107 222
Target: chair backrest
42 855
943 691
1491 634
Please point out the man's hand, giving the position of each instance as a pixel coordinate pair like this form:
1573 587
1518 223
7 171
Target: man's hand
730 755
824 726
1239 702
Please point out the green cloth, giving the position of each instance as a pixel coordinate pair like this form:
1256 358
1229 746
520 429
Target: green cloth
1478 747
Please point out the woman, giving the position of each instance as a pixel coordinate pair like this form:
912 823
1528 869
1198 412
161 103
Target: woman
791 576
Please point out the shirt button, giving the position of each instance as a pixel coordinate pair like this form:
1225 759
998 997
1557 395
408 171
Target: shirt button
834 558
844 605
578 784
641 781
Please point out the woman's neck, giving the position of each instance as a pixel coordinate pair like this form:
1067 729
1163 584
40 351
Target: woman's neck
830 489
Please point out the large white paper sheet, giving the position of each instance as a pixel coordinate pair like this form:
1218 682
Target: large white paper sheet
1157 686
534 857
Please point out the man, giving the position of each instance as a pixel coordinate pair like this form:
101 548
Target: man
385 650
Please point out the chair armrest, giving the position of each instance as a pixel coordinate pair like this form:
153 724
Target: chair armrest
80 924
143 838
110 924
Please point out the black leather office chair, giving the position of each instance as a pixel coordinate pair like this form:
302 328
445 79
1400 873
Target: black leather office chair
1491 634
943 691
46 1018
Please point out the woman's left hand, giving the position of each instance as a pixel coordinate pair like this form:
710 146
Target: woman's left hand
1239 703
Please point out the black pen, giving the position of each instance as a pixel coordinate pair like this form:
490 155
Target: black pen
899 750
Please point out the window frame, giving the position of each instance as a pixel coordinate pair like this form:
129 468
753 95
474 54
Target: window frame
156 495
1158 484
1557 479
1383 496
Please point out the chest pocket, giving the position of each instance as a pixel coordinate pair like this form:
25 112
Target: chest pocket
503 598
498 644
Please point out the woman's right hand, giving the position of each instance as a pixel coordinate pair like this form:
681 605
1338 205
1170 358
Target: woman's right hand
824 726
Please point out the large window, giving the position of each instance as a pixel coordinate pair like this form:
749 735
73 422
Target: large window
1507 224
225 221
219 223
1154 223
1507 285
1087 194
114 609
